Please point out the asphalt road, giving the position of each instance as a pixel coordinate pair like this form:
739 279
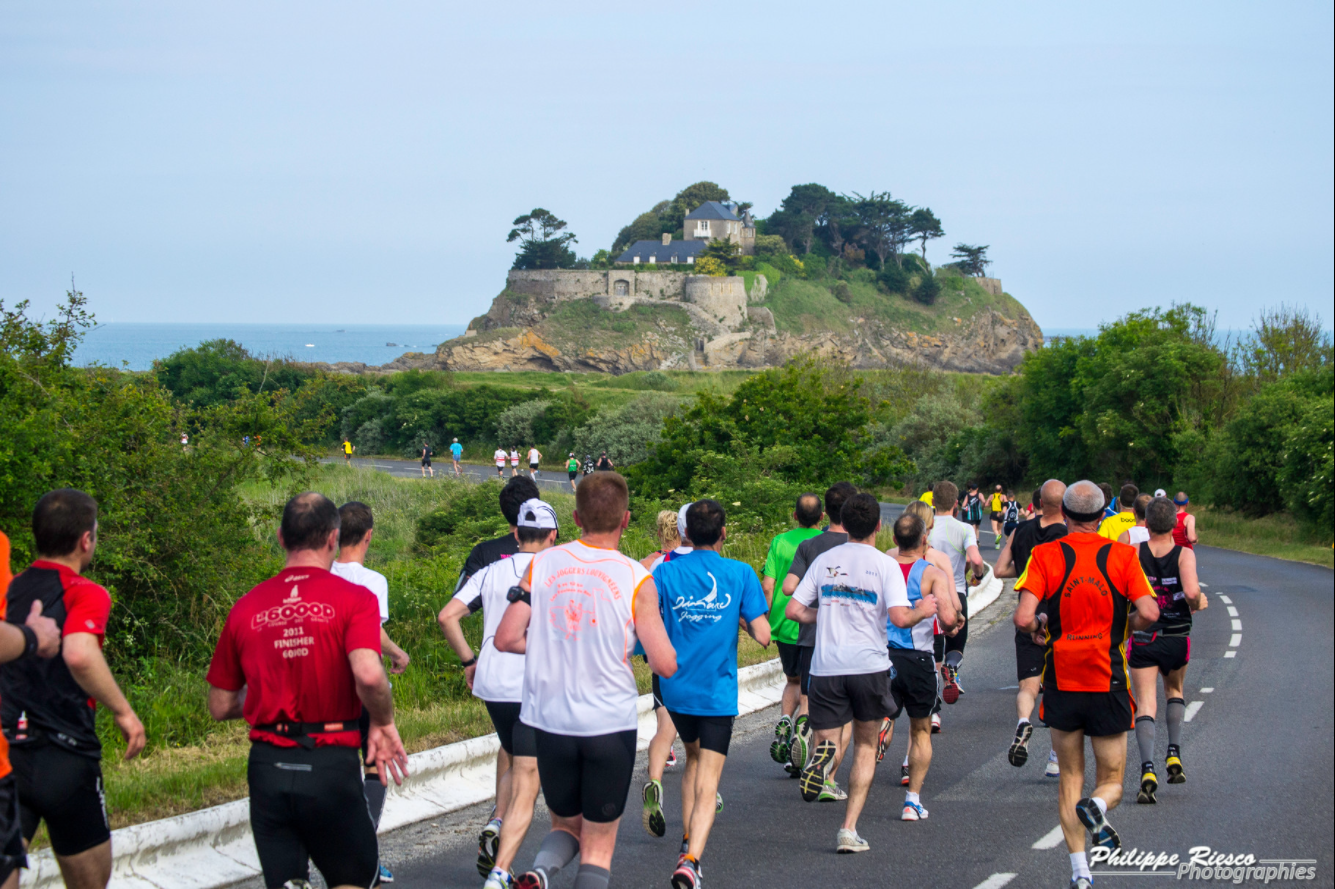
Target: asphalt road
1257 751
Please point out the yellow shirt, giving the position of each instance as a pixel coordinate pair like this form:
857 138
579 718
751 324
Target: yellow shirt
347 447
927 498
998 503
1114 527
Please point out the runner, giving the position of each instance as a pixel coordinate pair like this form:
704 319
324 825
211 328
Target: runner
588 465
997 502
1095 595
1137 533
703 597
572 470
457 456
499 457
926 497
1125 517
579 690
1010 515
534 460
1185 533
513 495
298 658
426 454
514 461
784 632
913 676
807 551
46 706
971 509
497 679
1165 648
356 528
605 463
1049 526
858 591
348 448
957 541
1109 502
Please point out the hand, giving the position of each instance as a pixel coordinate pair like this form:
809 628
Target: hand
469 672
48 634
384 748
928 605
1202 603
399 661
133 732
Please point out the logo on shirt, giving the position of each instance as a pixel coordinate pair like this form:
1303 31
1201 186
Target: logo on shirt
844 594
293 609
568 617
705 609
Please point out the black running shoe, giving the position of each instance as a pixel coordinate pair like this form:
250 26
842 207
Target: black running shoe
1174 765
1149 785
813 777
487 846
1101 833
1019 752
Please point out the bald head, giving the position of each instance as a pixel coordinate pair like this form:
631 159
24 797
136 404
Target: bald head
1082 505
1050 497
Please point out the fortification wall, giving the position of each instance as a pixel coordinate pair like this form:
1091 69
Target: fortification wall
723 299
558 284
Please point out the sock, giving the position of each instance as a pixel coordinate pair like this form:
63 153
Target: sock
1145 737
911 797
558 849
1098 801
906 760
1022 722
1177 708
590 876
375 797
1079 866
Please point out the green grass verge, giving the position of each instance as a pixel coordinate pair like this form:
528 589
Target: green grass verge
1277 535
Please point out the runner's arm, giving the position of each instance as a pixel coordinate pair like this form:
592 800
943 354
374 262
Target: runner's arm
512 633
767 584
14 642
1186 573
947 605
225 704
658 650
1026 613
449 620
383 745
1005 566
1145 613
83 657
758 629
398 658
1190 525
976 560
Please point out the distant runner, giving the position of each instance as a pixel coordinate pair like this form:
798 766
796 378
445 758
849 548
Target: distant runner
457 455
514 462
426 453
534 461
605 463
1184 534
1125 517
997 502
1137 533
572 470
971 509
348 448
957 541
499 457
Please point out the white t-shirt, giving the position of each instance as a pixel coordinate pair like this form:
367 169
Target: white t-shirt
855 585
500 674
514 458
533 456
500 457
953 537
355 572
1137 534
577 675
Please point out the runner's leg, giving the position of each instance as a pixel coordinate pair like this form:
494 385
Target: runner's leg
703 775
1027 697
524 786
1070 748
863 735
920 754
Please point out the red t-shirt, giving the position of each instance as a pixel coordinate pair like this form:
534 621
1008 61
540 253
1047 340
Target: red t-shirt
287 642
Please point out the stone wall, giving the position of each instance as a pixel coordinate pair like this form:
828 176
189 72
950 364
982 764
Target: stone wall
723 299
991 285
557 284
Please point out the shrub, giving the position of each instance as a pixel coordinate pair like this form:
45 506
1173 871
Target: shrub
772 275
370 437
708 265
926 288
514 425
893 279
471 516
627 434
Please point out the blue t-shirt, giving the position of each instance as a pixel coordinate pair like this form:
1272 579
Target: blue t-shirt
457 450
702 595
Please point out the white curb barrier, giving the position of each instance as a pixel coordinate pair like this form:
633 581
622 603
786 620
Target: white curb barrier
985 593
212 848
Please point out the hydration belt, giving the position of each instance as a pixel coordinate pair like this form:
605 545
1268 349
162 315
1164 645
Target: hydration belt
302 732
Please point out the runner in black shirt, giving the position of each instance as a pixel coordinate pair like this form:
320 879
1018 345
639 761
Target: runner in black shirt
517 490
605 463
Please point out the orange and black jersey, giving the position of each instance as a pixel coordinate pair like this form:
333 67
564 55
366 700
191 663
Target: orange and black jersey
1086 584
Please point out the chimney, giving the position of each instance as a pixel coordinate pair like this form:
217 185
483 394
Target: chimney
667 239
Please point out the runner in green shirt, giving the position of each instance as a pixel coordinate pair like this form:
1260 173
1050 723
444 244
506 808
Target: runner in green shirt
783 631
572 469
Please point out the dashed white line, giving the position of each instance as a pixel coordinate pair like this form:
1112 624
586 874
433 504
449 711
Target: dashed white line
1051 840
1225 599
1206 691
1235 640
1232 652
996 881
1192 709
1237 625
1204 586
1232 612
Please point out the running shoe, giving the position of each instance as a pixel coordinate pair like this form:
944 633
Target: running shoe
487 844
812 782
1149 785
904 775
1052 770
849 842
792 770
297 884
783 738
831 793
498 879
687 874
718 803
385 875
952 691
936 723
1082 883
883 739
654 822
1019 752
671 759
996 544
1174 765
534 879
1101 833
913 812
800 748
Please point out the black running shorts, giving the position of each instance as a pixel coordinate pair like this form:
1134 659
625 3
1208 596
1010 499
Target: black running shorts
572 475
956 642
12 854
996 516
656 687
516 738
426 461
1096 713
834 701
63 789
586 776
1168 653
1028 657
914 682
311 804
713 732
533 466
804 653
789 653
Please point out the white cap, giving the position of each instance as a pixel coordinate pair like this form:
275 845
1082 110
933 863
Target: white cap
681 521
1160 492
538 514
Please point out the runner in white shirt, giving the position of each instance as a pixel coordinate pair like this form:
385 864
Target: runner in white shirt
959 541
497 678
576 617
857 591
1137 533
499 457
514 462
534 460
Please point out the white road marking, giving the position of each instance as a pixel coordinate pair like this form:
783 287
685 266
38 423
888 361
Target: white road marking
1206 691
1225 599
1232 612
1231 653
1204 586
1051 840
1008 688
1237 625
996 881
1235 641
1192 709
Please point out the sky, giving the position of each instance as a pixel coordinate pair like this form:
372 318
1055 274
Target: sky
363 163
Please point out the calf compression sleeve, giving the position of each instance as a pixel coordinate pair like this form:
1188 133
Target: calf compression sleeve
558 849
375 798
590 876
1145 737
1177 708
954 658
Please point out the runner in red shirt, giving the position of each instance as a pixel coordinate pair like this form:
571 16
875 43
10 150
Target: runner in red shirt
298 658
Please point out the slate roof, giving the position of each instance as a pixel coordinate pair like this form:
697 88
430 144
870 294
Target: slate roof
663 253
713 210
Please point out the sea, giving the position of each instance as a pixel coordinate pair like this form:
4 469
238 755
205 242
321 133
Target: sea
137 345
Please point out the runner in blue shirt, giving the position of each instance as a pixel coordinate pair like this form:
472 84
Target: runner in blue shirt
704 597
457 454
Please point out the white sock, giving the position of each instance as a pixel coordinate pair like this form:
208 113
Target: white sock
1103 807
1052 756
1079 866
911 797
906 760
1022 722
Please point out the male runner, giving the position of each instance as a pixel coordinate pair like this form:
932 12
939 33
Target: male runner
996 503
1125 517
1185 532
348 448
1137 533
1165 648
575 617
516 491
497 679
913 675
807 551
1109 501
1010 515
572 470
605 463
514 461
957 541
1049 526
46 706
784 632
971 509
858 591
703 597
588 465
1095 595
356 528
499 456
298 658
425 454
534 461
456 456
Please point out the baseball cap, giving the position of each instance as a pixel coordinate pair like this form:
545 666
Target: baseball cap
538 514
1160 492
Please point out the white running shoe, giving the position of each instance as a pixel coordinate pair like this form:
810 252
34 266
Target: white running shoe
849 841
1052 771
913 812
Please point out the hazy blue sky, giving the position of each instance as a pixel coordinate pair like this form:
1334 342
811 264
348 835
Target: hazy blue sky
363 162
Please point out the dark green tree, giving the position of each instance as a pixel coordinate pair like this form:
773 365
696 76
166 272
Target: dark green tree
543 243
924 226
883 224
971 260
800 214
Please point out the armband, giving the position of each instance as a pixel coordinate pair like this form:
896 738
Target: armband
468 663
518 594
29 640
